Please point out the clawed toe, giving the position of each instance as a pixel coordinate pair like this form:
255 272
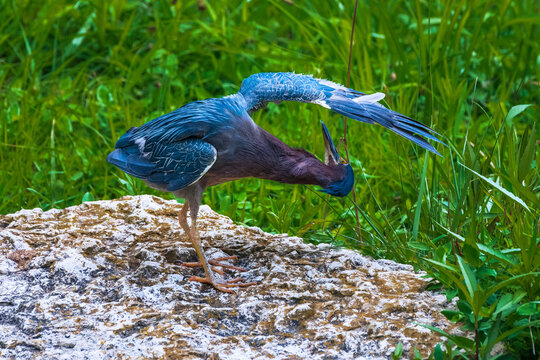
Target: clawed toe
210 266
217 262
240 282
223 286
216 265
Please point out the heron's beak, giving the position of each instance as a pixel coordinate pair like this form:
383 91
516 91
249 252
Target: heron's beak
331 155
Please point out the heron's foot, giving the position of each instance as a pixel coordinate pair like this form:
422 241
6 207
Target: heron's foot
225 285
217 262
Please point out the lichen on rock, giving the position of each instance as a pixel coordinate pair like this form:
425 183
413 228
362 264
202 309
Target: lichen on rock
103 280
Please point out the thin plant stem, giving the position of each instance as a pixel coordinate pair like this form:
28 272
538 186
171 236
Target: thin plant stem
358 230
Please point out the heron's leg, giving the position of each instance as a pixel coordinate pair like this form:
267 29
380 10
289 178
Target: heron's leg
182 219
209 275
196 242
194 237
217 262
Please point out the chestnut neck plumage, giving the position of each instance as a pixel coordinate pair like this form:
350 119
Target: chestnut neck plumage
296 166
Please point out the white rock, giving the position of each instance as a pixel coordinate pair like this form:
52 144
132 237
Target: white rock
106 282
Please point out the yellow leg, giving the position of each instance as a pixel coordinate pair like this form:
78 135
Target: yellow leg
193 234
196 242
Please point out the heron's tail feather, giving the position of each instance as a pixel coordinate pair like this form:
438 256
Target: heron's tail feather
374 113
132 164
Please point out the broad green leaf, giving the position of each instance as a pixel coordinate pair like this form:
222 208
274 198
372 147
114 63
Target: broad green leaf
76 176
471 255
442 265
87 197
515 330
508 301
452 315
515 111
419 246
438 353
468 276
496 253
506 282
451 273
451 293
529 308
398 351
492 335
458 340
500 188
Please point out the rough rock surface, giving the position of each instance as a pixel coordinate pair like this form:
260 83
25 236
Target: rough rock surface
103 280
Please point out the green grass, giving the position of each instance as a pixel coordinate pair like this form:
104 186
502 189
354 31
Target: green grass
75 76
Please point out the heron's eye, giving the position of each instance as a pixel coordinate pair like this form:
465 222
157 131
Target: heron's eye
342 161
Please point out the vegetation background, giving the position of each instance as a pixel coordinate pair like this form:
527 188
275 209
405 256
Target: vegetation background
74 76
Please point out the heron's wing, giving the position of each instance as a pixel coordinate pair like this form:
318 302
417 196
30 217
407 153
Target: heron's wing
172 165
259 89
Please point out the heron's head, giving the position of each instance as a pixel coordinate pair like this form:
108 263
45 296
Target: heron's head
343 186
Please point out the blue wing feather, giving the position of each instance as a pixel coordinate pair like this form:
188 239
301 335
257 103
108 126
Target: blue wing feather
198 119
173 165
175 150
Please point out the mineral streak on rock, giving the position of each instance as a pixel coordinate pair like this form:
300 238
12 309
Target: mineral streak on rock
21 257
103 280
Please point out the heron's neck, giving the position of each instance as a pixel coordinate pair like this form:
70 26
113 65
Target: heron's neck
298 166
307 169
